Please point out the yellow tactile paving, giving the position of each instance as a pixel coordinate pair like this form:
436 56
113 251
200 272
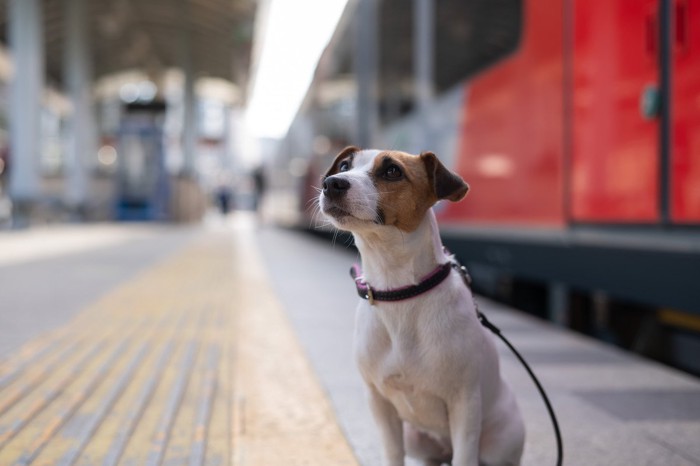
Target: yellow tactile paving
284 416
192 362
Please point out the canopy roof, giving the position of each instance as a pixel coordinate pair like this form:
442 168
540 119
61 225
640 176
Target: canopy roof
153 35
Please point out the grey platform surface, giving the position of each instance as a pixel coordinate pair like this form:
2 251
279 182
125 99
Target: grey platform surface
49 274
613 407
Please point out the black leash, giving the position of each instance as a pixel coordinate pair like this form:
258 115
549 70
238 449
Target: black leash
496 331
486 323
365 291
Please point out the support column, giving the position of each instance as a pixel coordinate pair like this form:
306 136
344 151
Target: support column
188 201
424 65
26 90
367 70
82 131
189 123
227 150
189 101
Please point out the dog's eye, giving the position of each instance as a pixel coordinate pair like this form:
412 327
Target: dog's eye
393 173
344 166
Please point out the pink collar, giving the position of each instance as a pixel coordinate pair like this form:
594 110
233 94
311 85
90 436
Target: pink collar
430 281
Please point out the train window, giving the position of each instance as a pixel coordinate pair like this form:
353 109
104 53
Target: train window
396 82
471 35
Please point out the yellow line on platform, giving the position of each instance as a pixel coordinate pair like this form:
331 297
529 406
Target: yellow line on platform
283 416
212 374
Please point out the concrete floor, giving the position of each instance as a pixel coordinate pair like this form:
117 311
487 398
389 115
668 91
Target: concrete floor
614 408
49 274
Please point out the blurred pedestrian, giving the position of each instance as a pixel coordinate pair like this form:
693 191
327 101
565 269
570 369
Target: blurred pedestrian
223 198
260 185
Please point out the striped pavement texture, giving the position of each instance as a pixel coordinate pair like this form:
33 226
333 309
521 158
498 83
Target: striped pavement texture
192 362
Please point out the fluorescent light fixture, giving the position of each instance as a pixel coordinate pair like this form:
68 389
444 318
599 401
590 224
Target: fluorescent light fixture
296 32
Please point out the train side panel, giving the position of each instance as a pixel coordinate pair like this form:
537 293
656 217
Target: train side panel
512 131
685 163
615 161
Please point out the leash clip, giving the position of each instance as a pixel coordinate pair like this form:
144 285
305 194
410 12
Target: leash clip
370 296
464 272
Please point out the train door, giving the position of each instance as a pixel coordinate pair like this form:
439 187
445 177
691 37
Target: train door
685 156
622 171
615 145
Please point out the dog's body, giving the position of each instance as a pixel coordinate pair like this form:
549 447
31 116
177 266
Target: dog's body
432 371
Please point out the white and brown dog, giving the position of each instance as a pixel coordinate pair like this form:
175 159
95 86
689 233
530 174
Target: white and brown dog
431 368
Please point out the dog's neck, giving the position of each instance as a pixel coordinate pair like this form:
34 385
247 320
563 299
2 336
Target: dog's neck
392 258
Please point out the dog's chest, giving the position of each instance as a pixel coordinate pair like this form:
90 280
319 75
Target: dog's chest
407 367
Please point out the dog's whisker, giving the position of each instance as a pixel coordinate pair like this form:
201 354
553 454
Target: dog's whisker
319 221
312 202
335 236
315 210
349 241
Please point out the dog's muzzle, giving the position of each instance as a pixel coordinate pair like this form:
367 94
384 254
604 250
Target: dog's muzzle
335 187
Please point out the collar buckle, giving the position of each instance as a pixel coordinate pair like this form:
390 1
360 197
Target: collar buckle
369 295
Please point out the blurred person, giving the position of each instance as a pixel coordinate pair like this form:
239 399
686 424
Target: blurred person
259 186
222 195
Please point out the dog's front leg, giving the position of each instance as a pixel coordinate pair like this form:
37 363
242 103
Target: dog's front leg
465 428
390 428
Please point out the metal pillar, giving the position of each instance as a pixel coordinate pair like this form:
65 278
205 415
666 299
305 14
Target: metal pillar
227 150
82 131
424 64
189 123
26 90
189 101
367 70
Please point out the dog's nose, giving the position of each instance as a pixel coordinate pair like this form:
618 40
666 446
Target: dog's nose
335 186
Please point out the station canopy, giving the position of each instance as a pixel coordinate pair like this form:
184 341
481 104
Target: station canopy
154 35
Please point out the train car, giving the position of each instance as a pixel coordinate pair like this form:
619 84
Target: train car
577 125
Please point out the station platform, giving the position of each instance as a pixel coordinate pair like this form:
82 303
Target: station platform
231 344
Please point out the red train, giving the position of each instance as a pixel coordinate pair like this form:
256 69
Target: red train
577 125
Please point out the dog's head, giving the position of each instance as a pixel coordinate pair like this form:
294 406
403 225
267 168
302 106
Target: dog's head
365 188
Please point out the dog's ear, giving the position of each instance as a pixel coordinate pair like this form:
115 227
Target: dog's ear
345 153
445 184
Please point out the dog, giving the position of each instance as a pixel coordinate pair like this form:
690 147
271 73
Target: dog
431 369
